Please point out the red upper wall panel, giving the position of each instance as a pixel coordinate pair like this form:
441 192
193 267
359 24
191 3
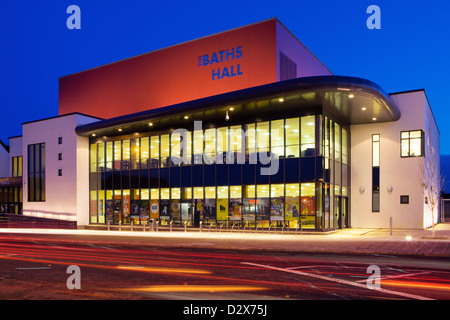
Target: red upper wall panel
224 62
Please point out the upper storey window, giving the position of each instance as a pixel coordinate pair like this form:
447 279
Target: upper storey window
412 143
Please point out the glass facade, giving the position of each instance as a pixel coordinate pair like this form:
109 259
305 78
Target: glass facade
11 200
216 176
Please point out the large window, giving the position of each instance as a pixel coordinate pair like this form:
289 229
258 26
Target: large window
36 172
144 152
307 205
16 166
277 137
250 142
101 157
175 145
262 133
109 156
136 178
284 138
154 147
292 127
186 144
222 144
165 150
376 173
198 146
308 140
134 152
235 145
125 154
210 146
337 142
344 146
412 143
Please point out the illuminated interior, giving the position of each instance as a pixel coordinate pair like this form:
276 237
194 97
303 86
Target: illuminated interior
188 177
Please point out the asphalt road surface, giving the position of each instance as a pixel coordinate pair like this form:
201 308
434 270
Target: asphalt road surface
36 267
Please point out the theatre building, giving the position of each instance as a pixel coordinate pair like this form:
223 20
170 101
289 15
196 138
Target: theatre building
244 128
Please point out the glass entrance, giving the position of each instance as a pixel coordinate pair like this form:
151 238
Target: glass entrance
346 218
337 212
341 212
187 214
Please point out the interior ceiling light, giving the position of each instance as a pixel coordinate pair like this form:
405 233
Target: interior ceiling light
351 96
363 108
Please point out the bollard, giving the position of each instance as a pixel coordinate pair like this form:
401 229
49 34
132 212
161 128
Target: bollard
390 225
157 226
131 225
170 226
201 222
120 225
151 225
270 225
185 225
143 225
109 229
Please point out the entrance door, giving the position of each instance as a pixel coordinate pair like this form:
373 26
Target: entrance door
187 215
341 212
345 217
337 212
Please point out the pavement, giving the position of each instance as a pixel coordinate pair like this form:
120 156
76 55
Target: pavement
403 242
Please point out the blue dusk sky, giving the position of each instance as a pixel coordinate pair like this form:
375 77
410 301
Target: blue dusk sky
411 50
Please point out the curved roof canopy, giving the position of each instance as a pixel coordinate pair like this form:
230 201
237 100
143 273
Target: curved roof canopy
349 100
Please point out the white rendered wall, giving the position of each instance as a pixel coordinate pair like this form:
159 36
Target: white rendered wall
431 164
307 64
404 175
67 196
82 177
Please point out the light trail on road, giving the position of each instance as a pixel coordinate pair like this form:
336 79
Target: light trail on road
114 270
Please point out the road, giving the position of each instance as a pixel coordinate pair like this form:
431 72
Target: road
35 267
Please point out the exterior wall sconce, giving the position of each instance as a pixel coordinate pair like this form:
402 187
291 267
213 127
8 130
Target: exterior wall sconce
389 189
362 189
